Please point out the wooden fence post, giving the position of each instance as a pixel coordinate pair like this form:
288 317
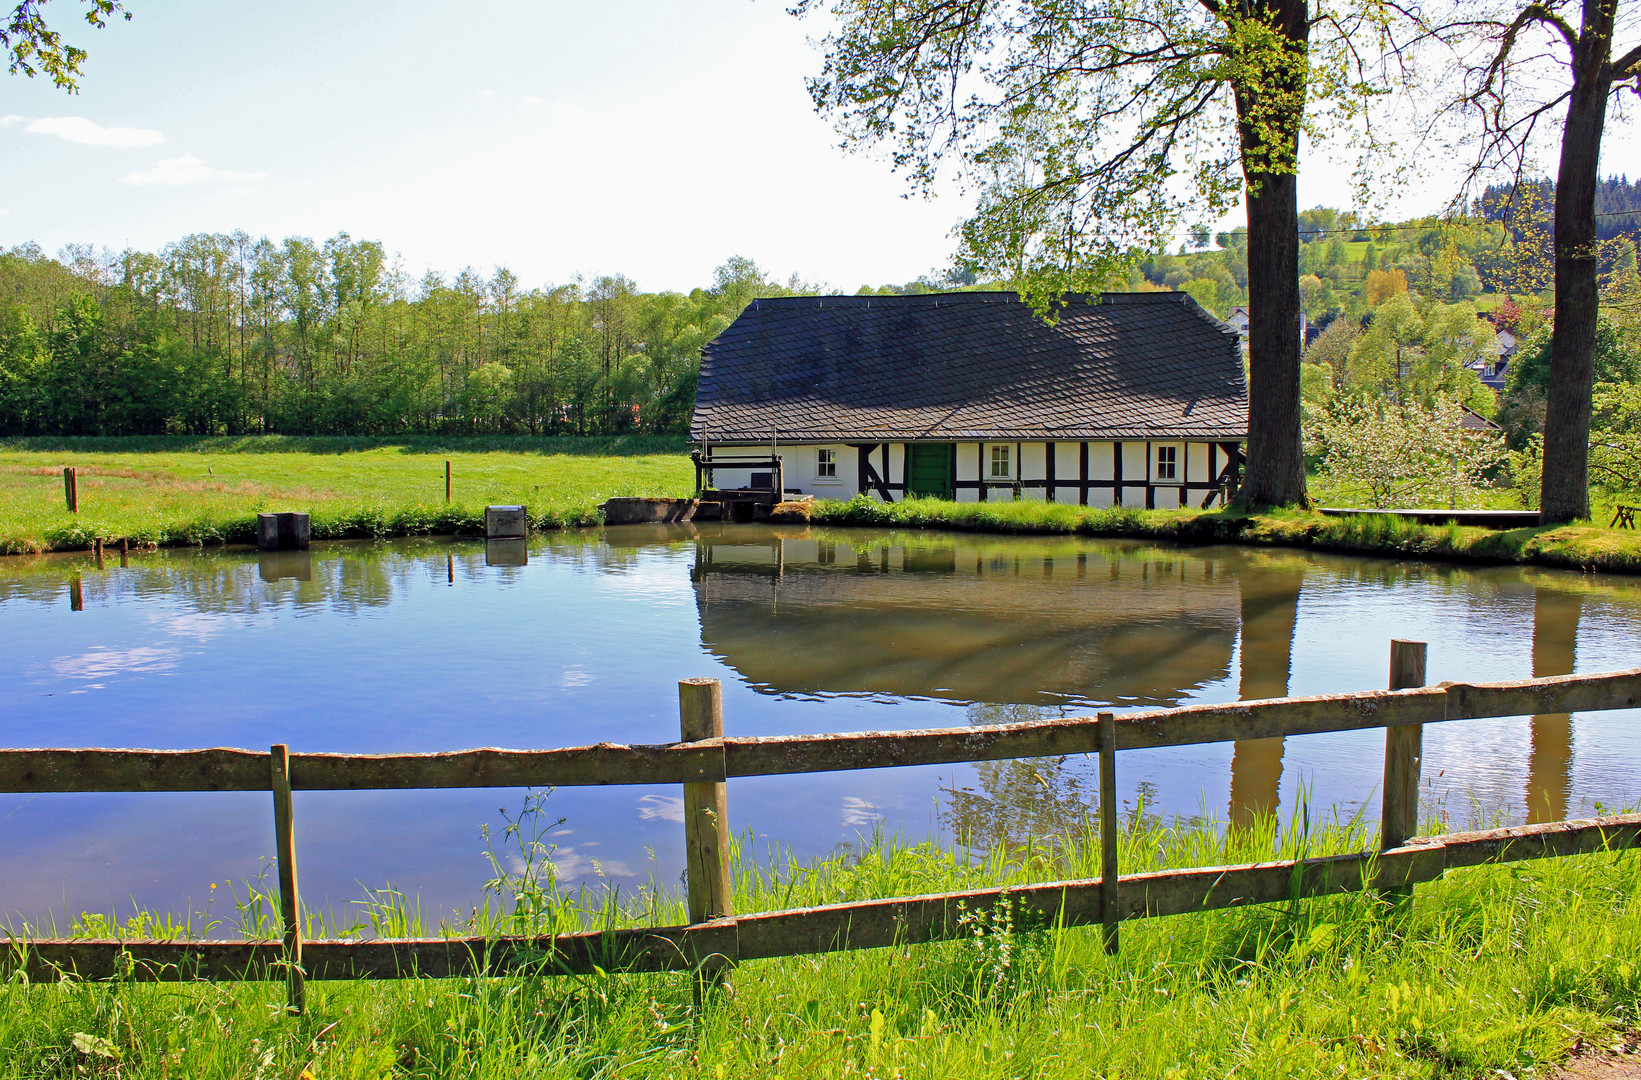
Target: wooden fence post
290 909
1109 871
71 489
1404 745
706 820
447 482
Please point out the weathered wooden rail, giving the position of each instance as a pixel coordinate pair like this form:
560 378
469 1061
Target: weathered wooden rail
716 937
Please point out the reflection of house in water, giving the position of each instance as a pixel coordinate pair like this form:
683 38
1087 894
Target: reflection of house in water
967 620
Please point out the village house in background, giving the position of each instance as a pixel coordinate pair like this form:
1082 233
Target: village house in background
1130 399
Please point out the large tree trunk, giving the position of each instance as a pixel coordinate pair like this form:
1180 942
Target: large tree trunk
1565 494
1270 109
1276 461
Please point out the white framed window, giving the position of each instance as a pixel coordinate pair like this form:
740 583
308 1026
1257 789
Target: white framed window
1002 463
826 464
1168 463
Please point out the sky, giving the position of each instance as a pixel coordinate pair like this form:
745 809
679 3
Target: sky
652 138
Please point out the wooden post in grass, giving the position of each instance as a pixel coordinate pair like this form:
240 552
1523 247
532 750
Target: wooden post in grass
1404 745
71 489
290 910
447 483
706 822
1109 871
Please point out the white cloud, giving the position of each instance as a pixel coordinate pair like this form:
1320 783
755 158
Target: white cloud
187 169
661 808
531 99
101 663
487 94
10 119
80 130
858 812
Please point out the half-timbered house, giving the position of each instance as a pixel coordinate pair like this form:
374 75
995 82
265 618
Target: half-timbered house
1132 399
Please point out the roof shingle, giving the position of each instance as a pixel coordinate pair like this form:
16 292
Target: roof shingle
957 366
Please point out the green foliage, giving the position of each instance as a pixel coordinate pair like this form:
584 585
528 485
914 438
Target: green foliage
223 335
32 47
1403 455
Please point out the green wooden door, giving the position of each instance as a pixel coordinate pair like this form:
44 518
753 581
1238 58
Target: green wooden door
930 469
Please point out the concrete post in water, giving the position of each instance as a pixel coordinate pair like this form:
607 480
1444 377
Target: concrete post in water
71 489
505 523
706 820
1404 746
289 531
290 909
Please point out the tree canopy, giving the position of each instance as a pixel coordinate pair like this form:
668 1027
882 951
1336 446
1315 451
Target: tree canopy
33 48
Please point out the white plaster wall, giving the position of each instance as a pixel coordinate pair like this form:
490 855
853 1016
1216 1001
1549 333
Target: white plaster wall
1167 498
1033 466
1099 466
1136 464
968 468
1196 462
1099 496
1133 496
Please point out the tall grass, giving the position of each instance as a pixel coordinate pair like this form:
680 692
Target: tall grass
1497 968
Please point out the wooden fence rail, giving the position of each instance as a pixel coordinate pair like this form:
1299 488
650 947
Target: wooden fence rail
716 938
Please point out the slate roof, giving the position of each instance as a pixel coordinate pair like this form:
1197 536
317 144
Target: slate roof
964 366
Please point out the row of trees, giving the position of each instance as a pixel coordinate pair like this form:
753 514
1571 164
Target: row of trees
230 334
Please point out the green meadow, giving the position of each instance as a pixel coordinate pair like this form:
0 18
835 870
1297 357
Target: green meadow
1494 971
208 491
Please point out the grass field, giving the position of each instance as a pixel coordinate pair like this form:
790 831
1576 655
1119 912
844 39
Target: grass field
208 491
1490 972
205 491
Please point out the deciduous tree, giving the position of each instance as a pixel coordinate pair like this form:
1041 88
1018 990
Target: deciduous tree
1554 66
1096 128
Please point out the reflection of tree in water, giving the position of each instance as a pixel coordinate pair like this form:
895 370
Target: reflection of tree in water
1029 798
1550 761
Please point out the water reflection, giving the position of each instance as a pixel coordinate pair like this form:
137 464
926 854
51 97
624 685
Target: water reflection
1550 763
278 565
965 619
421 645
1270 614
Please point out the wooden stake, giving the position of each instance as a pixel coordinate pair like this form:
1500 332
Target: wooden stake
97 549
1404 746
1109 871
71 489
447 482
290 909
450 568
76 597
125 545
706 822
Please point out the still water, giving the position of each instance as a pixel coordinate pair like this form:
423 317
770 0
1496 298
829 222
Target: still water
420 646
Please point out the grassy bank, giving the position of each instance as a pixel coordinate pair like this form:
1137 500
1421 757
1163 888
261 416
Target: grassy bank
1489 969
1581 546
209 491
167 491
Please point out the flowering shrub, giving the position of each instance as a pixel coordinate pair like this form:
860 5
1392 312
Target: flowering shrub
1388 454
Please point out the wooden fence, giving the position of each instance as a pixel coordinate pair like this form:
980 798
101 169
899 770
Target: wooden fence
705 759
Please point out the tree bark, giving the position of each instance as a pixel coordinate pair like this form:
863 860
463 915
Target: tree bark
1565 491
1270 109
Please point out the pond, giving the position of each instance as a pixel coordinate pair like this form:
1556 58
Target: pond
426 645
